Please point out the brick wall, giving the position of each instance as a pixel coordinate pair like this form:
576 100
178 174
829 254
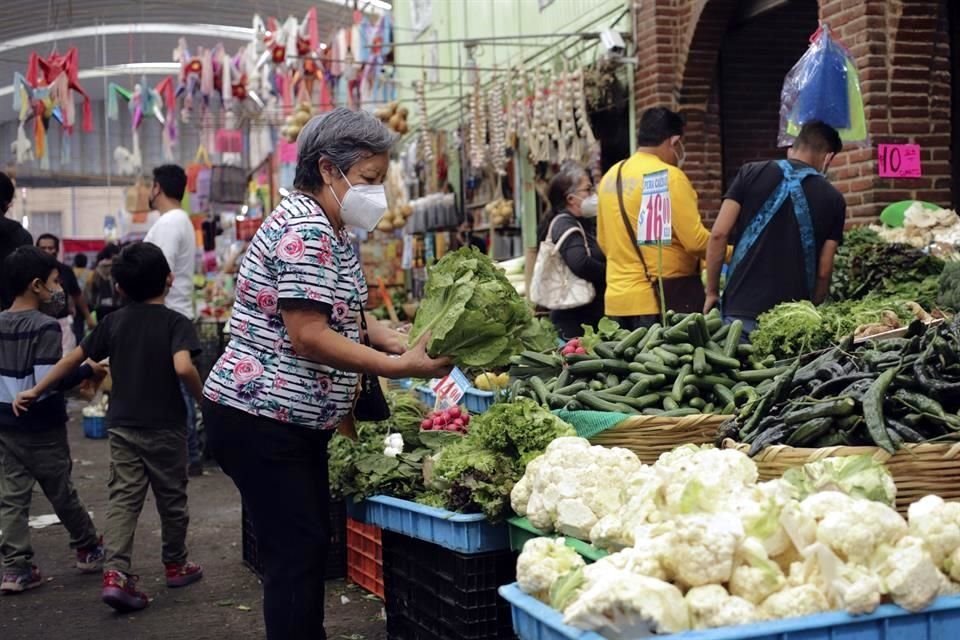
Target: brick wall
755 57
693 57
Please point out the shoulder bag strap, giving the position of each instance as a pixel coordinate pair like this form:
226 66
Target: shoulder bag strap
626 221
578 228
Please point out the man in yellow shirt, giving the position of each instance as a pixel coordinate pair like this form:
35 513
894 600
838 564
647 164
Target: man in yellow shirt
631 297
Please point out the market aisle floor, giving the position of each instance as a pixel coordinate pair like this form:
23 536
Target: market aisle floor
69 607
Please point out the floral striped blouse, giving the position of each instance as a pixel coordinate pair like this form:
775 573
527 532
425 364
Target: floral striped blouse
296 255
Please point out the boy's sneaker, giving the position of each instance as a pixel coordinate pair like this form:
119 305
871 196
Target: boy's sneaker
120 592
182 574
18 582
90 559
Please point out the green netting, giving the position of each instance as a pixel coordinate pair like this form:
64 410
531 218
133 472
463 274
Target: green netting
590 423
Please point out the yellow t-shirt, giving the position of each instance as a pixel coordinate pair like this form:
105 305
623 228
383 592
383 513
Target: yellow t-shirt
629 293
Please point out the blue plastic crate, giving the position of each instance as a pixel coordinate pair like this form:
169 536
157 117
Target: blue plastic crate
474 400
463 532
94 427
533 620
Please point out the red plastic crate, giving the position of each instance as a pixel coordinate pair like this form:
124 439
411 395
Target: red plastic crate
365 556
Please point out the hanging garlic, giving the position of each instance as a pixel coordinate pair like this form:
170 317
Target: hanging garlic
425 139
581 113
478 128
521 105
510 128
498 128
538 133
556 147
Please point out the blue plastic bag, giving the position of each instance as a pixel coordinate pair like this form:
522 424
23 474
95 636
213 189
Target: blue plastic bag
823 86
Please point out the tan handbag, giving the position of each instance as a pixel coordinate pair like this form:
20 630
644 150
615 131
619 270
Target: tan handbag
554 286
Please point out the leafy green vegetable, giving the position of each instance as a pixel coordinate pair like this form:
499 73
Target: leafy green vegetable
858 476
472 311
948 289
865 265
477 473
360 469
794 328
607 329
540 335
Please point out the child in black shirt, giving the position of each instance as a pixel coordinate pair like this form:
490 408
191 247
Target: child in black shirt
150 349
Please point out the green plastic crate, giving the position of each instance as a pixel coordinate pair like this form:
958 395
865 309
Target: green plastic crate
521 530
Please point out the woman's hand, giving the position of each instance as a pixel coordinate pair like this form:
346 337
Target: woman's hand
386 339
416 363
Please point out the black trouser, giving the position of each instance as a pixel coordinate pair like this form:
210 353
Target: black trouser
281 472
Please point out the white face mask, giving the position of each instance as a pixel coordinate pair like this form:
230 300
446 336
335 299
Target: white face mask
588 206
363 206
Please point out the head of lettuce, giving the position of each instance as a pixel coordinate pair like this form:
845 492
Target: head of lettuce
473 313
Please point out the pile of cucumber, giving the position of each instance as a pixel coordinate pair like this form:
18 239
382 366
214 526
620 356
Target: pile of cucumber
692 364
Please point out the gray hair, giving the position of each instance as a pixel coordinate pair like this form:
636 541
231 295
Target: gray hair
343 137
565 183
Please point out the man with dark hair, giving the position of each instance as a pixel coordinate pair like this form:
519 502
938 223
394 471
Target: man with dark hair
150 349
33 446
176 237
786 222
12 233
50 244
632 296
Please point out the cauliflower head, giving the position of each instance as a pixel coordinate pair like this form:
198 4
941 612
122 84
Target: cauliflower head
704 547
856 532
802 600
542 562
624 605
703 480
755 577
937 523
711 606
908 574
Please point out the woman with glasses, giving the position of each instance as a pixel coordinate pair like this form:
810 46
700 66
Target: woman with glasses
573 205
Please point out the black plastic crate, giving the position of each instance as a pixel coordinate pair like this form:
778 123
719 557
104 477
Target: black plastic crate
432 592
336 553
213 342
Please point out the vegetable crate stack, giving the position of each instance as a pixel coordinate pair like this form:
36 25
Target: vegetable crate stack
365 556
438 594
336 552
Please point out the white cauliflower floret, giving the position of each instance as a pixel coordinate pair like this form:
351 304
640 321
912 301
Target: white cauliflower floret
703 549
908 574
541 562
848 586
802 600
624 605
937 523
705 479
648 557
573 485
575 518
856 532
711 606
615 531
759 508
755 577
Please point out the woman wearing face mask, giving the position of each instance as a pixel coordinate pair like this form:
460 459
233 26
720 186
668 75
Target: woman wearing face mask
573 205
290 374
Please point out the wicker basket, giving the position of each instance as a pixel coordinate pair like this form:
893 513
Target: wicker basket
917 469
650 436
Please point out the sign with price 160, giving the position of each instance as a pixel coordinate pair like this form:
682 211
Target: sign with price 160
655 220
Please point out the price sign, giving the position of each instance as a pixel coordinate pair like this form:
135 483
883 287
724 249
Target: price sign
654 222
899 161
450 389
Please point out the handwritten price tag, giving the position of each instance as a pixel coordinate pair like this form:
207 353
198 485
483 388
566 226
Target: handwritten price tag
655 220
450 389
899 161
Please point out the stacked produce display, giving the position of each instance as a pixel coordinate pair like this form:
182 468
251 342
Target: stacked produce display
555 462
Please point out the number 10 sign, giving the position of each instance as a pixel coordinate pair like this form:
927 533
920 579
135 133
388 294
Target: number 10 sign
654 222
